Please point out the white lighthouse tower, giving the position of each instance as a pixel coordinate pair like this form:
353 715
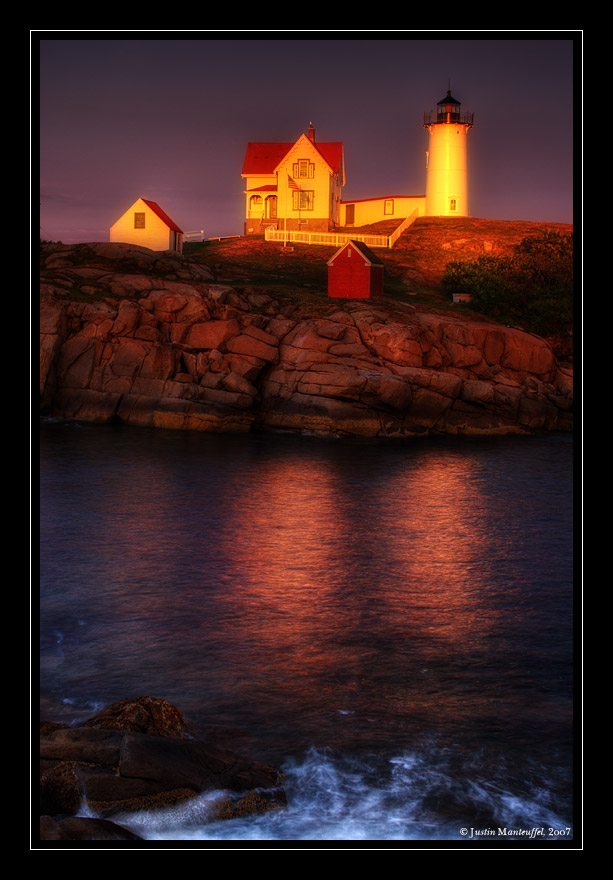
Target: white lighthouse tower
446 159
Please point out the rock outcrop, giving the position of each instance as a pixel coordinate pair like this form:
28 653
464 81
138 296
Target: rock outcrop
155 340
138 755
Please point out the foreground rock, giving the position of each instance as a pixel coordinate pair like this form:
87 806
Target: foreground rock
81 828
169 347
108 767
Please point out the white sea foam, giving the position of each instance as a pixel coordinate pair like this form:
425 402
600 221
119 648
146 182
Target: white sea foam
347 799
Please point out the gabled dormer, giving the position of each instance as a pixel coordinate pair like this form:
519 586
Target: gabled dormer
306 155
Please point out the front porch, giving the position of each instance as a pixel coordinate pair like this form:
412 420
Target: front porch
261 209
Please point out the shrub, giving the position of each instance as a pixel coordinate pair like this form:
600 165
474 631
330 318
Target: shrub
530 288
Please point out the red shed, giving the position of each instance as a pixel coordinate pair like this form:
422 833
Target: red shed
354 272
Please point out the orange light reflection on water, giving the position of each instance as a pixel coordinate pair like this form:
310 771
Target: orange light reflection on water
306 545
441 540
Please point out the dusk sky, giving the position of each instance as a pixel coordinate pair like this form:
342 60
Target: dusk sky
169 118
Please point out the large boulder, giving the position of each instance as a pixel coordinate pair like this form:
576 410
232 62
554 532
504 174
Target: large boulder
138 754
143 715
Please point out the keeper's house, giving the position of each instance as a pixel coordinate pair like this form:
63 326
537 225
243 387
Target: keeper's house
293 185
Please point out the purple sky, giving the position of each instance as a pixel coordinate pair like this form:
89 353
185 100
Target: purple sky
169 119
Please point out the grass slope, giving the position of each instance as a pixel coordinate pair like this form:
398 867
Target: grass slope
413 267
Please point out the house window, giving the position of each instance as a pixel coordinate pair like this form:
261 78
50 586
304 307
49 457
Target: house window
304 168
303 200
139 220
388 206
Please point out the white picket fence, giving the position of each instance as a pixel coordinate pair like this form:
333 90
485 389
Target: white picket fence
324 237
338 239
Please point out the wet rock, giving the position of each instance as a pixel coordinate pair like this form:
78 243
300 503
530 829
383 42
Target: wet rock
83 828
144 715
188 764
138 754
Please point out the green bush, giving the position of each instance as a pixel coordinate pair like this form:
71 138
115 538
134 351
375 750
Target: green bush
531 288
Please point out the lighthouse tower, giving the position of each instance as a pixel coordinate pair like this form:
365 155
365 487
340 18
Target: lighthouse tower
446 161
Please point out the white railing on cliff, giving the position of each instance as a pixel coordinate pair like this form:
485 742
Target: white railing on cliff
336 239
404 225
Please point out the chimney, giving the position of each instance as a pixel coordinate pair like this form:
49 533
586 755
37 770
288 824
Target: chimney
311 132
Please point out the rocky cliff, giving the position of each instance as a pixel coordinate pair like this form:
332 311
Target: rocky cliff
150 339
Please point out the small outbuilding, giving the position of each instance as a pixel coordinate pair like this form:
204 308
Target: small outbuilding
461 297
355 272
146 224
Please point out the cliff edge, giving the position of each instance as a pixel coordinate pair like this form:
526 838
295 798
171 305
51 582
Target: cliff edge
152 339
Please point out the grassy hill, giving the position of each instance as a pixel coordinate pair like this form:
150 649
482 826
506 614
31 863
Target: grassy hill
413 267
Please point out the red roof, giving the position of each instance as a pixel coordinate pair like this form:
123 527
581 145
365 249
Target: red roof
369 257
263 158
162 215
269 187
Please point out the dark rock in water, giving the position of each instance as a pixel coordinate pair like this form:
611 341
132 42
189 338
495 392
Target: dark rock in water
83 745
143 714
115 763
49 726
254 803
59 787
81 828
190 764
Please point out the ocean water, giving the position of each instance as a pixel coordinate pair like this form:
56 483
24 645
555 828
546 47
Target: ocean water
391 623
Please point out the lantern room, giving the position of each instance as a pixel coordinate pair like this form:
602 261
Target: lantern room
448 110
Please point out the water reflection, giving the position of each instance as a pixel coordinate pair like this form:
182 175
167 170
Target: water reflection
366 589
307 593
314 542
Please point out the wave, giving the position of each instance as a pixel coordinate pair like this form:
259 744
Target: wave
413 796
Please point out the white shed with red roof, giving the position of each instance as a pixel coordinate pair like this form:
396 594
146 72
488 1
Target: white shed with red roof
146 224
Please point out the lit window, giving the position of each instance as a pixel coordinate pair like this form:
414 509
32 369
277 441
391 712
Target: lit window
139 220
303 200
